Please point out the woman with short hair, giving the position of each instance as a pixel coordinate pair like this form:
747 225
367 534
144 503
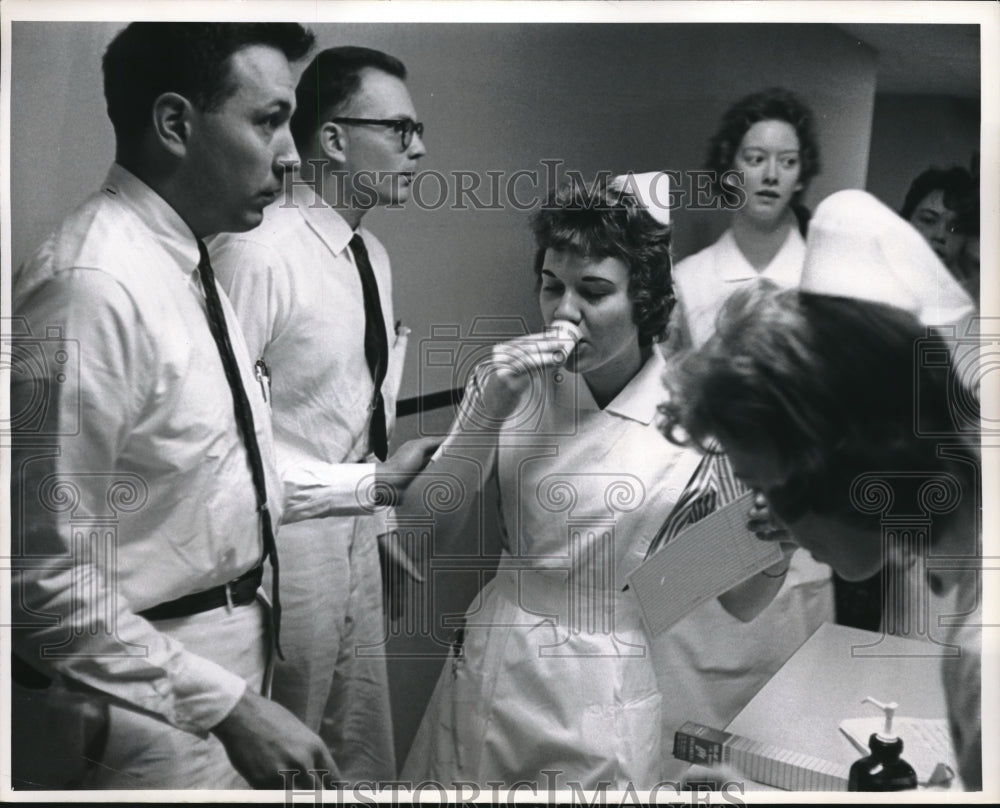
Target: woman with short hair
552 681
837 401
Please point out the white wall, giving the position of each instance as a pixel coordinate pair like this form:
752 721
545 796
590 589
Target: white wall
911 133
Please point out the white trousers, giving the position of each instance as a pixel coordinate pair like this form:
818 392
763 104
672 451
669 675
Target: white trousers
143 752
333 677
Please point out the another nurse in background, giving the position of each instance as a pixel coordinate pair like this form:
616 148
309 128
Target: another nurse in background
818 398
943 204
769 138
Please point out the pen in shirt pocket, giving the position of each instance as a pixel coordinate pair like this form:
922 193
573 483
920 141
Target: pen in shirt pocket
401 330
263 375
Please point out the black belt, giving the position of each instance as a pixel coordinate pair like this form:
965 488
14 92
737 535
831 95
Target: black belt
237 592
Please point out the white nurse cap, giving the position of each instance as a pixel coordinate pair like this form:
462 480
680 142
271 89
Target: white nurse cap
651 188
859 248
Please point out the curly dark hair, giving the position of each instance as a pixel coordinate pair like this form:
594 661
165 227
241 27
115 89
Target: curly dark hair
961 195
773 104
599 220
147 59
828 388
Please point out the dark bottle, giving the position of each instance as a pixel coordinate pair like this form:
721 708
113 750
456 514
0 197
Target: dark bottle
883 769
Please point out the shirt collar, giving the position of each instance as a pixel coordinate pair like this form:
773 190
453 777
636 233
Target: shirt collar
638 401
786 268
733 266
641 398
156 214
331 228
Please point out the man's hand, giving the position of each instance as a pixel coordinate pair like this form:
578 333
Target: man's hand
399 470
262 738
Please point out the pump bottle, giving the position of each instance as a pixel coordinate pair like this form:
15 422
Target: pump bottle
883 769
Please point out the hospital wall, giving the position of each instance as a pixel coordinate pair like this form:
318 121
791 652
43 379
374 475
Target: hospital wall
495 98
498 98
911 133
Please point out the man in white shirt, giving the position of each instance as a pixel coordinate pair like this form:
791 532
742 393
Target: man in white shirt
143 467
313 291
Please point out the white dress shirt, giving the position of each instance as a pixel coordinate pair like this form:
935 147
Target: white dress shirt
297 292
288 307
131 483
704 281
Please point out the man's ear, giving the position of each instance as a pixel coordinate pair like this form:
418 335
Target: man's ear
172 115
332 143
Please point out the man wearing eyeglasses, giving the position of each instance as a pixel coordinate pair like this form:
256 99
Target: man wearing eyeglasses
312 289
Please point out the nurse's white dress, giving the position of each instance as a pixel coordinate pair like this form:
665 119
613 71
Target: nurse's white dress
555 672
713 663
556 682
704 281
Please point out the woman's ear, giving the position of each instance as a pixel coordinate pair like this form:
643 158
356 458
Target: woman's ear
332 143
172 114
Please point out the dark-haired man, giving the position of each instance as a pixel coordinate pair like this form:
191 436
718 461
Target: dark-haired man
312 289
144 486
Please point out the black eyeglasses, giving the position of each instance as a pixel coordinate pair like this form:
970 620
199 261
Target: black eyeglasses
403 127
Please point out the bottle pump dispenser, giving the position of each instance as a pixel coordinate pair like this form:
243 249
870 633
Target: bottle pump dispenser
883 769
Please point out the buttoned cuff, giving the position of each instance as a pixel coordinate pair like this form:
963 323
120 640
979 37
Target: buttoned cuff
204 694
314 489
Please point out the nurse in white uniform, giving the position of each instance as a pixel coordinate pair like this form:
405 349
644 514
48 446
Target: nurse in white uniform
552 681
824 428
767 137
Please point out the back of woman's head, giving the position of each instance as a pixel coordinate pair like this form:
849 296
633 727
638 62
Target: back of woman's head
602 220
830 388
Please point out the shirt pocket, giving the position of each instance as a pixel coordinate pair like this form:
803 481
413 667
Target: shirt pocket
394 376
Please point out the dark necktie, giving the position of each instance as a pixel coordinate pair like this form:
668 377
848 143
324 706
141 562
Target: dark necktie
376 346
244 420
